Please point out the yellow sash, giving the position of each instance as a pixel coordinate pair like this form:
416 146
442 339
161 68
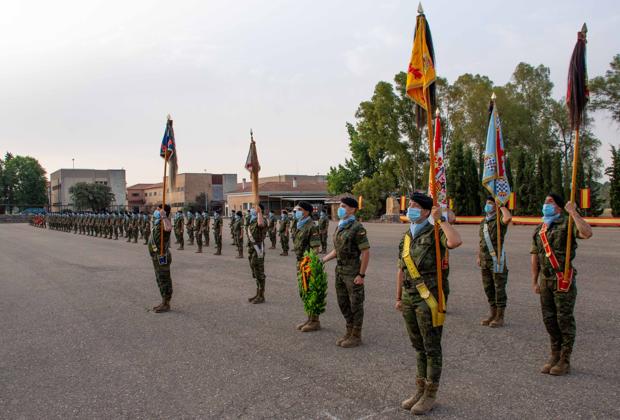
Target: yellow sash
438 317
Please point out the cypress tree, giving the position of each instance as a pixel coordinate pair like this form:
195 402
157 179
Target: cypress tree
613 172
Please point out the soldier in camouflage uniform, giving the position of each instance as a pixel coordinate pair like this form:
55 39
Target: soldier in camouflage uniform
237 232
494 268
189 226
147 227
161 263
198 231
417 295
323 228
217 233
352 253
271 228
293 225
256 232
283 231
206 226
178 230
231 226
306 238
557 294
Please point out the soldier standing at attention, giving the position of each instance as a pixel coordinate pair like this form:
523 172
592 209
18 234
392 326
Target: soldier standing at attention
557 294
237 232
256 232
147 227
217 233
306 238
493 267
323 227
206 226
273 221
231 226
283 231
417 295
189 226
293 227
178 230
352 253
161 263
198 231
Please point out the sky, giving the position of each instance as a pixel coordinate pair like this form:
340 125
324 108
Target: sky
94 80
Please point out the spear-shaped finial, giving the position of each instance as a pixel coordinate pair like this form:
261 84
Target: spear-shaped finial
420 10
251 135
584 28
584 31
493 97
169 117
437 112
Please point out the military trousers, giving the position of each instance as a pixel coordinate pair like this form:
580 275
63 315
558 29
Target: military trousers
257 265
494 285
205 233
558 313
425 339
284 242
162 275
350 295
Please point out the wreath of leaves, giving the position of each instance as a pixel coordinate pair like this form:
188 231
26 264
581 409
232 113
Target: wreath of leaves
315 297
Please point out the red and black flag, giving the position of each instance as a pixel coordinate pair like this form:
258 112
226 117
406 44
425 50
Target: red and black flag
577 94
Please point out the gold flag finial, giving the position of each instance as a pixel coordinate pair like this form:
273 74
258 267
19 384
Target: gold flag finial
420 10
169 117
437 112
493 97
584 28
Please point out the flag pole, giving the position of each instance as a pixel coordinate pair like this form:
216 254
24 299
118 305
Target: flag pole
431 180
569 236
497 207
163 200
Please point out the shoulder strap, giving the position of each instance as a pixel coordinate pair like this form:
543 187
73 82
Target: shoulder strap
563 284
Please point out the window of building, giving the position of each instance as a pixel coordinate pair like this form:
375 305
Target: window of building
135 194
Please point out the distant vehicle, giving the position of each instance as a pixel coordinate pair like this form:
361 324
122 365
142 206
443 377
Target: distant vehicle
32 211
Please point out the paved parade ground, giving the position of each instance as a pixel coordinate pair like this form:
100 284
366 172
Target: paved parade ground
78 338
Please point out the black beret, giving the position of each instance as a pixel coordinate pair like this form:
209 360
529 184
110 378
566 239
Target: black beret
284 211
306 206
490 198
423 200
558 199
167 208
350 201
261 207
239 213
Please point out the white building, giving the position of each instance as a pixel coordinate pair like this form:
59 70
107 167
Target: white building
63 179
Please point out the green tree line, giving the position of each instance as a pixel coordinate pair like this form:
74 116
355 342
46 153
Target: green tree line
389 154
22 183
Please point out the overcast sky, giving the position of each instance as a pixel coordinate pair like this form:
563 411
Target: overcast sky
94 80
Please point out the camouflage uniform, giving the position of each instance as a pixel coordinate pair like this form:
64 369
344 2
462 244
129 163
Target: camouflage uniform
217 233
494 283
189 227
256 253
306 238
162 271
206 227
323 227
283 231
178 230
349 242
271 227
425 338
557 307
237 232
147 228
198 230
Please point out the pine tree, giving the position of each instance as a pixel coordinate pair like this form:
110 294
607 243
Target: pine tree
613 172
473 184
518 186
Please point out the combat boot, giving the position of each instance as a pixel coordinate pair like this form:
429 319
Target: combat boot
303 324
420 384
346 336
165 306
284 254
427 402
240 255
354 340
499 319
492 315
553 359
261 296
562 367
218 252
181 248
199 251
253 297
156 308
313 325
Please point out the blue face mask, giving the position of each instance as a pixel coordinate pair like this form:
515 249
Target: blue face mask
341 212
413 214
488 208
299 214
252 213
548 210
156 214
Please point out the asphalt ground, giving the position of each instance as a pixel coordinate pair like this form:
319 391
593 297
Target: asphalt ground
78 338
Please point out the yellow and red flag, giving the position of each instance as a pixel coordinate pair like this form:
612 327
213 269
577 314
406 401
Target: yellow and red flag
585 198
421 71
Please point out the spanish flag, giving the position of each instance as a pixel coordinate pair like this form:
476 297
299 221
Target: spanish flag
421 71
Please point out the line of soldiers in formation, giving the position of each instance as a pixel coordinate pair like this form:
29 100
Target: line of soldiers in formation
107 225
417 288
